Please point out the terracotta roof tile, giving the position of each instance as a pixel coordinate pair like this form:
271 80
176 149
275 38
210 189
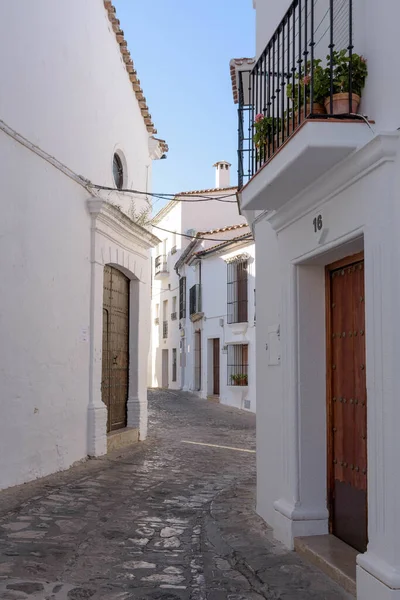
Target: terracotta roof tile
119 35
239 238
207 191
222 229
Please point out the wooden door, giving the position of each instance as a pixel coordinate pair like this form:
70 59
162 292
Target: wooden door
216 374
164 374
115 352
197 360
347 402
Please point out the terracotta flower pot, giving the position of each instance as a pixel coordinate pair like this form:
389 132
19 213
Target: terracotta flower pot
317 109
341 104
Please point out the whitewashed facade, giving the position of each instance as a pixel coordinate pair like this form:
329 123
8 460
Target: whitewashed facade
331 194
69 103
219 331
179 263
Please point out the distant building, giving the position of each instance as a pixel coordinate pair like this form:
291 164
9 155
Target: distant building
74 259
203 297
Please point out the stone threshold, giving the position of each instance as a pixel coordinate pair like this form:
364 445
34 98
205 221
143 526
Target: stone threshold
332 556
122 438
213 398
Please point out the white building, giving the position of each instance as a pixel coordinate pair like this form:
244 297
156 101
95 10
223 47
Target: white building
194 327
324 209
74 260
218 348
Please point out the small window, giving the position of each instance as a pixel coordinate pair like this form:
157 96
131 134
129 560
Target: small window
238 364
118 172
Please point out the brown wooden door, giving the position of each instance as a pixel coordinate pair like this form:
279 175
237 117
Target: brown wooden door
197 360
165 369
115 355
216 373
347 403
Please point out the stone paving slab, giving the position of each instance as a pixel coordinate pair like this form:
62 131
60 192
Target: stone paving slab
162 520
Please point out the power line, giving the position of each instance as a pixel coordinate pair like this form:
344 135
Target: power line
161 196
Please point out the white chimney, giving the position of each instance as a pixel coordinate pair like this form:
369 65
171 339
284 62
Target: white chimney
222 174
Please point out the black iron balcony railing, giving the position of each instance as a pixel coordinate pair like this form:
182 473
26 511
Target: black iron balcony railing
165 330
308 61
173 316
195 299
161 264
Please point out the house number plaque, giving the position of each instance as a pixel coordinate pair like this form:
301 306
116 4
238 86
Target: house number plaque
317 223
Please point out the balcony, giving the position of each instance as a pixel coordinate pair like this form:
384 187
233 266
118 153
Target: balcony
161 267
298 107
165 330
195 306
173 316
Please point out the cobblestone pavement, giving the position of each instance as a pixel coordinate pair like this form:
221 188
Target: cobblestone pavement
162 520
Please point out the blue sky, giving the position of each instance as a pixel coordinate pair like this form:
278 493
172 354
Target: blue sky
181 50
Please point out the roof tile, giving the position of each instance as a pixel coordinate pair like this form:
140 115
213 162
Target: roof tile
119 35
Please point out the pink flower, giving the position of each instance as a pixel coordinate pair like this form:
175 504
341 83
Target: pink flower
307 79
259 117
363 60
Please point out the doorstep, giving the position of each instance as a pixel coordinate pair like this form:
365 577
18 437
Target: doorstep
213 398
331 555
121 438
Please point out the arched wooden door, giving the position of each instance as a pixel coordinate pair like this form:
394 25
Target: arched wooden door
115 361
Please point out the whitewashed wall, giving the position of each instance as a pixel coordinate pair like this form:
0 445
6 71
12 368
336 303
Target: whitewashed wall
44 317
64 87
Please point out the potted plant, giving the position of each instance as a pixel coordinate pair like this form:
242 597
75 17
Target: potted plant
341 64
239 379
265 128
299 91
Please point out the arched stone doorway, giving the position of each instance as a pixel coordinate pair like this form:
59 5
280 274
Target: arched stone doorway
115 347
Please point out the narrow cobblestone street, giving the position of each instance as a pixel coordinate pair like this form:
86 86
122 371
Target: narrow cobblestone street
167 519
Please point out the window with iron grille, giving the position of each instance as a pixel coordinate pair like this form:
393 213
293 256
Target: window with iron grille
237 291
173 364
195 299
238 364
165 330
182 298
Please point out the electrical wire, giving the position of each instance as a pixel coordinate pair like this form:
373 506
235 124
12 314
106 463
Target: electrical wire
193 196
